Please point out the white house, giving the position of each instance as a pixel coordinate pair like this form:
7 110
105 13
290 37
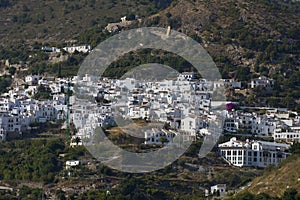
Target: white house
82 48
219 188
123 19
3 127
187 76
231 125
154 136
192 124
233 83
51 49
136 112
32 79
72 163
290 134
262 81
45 112
263 127
9 124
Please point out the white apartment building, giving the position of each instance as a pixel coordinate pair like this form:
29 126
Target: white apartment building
254 153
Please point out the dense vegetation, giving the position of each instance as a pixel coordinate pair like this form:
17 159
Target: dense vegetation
5 82
62 20
30 160
133 59
43 93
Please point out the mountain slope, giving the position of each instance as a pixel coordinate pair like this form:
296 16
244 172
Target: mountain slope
276 182
61 20
236 32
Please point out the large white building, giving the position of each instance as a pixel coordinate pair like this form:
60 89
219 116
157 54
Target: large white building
254 153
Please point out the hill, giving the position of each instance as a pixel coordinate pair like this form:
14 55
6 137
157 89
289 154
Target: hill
276 182
61 20
240 33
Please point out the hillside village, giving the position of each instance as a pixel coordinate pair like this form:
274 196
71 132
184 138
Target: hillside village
183 105
49 115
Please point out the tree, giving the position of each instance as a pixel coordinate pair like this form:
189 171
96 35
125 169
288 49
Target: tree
168 15
60 195
242 74
163 139
290 194
77 140
130 17
12 70
43 93
5 81
295 148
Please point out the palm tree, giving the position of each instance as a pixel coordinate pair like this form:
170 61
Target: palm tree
77 140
